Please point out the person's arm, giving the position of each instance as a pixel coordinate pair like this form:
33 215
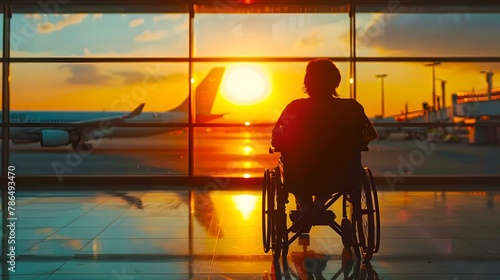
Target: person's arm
278 138
369 132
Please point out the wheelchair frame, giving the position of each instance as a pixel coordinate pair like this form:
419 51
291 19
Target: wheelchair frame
360 226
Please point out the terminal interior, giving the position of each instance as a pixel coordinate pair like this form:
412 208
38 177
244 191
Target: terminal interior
135 135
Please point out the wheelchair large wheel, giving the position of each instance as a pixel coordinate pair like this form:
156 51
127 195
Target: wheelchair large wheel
366 272
375 208
279 232
365 217
267 210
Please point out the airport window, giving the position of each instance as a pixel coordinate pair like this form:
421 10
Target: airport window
100 91
113 57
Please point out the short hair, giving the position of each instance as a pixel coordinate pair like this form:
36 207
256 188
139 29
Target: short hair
322 77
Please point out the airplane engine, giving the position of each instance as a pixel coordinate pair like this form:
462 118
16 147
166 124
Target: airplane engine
54 137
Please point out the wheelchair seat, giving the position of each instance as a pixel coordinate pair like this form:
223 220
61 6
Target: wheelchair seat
323 217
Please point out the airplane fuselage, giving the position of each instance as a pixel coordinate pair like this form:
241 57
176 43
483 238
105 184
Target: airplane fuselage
103 128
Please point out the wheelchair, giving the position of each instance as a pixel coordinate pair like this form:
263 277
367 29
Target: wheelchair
359 228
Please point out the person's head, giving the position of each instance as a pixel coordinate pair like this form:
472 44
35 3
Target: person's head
322 78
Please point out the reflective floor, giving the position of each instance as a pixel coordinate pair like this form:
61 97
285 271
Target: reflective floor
217 235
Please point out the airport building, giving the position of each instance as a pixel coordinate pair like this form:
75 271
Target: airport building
135 135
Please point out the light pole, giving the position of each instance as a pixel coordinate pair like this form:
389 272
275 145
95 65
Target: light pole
382 76
443 89
433 83
489 80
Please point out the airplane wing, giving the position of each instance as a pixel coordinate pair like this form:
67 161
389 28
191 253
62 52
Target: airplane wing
110 120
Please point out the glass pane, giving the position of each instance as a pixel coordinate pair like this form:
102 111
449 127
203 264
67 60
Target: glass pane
258 92
94 99
445 150
250 93
271 35
437 34
99 35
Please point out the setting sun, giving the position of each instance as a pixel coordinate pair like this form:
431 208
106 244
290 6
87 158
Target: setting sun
246 85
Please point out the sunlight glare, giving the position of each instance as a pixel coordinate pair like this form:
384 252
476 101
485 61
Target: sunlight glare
246 204
247 150
246 85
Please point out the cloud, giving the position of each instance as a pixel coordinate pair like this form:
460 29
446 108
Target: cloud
48 27
136 22
130 77
134 77
182 26
97 16
312 39
83 74
34 16
432 35
151 36
170 17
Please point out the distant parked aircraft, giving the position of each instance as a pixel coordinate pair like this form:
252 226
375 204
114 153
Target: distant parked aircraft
85 126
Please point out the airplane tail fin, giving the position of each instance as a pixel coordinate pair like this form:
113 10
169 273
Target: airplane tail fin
205 95
136 112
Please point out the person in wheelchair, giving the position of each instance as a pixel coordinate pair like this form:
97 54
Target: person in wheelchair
321 138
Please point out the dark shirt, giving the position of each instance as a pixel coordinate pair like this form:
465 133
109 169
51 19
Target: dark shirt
321 142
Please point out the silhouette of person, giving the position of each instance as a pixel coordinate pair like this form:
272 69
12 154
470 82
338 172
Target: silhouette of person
321 137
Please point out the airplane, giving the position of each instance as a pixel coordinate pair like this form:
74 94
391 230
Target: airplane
85 126
384 132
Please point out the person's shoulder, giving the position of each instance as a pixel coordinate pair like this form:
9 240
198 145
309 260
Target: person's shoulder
349 101
297 103
300 101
